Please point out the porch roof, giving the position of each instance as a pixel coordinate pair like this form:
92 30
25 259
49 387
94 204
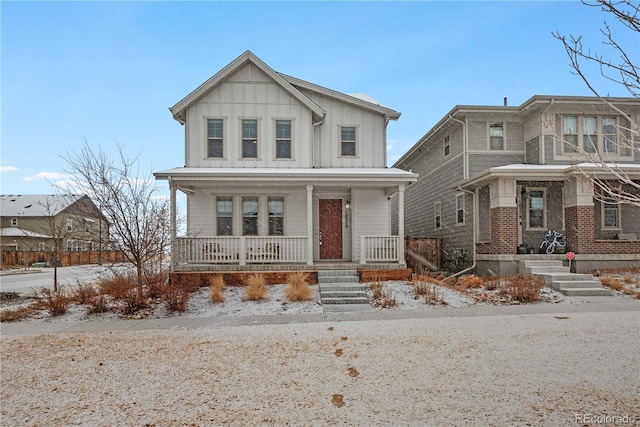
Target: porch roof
295 175
553 172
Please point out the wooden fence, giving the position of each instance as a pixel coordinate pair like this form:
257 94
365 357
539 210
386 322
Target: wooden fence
422 254
27 258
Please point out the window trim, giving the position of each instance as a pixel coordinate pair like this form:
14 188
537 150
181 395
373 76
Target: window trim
69 225
447 145
616 135
269 216
256 216
528 208
457 210
14 222
618 210
218 216
341 141
437 215
503 136
208 138
242 138
600 137
276 139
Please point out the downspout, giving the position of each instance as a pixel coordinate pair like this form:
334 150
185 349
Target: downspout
475 217
313 142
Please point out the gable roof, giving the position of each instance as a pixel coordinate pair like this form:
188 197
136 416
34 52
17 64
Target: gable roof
36 205
180 108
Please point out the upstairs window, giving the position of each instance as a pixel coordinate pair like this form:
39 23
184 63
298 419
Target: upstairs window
215 138
348 141
610 214
14 222
589 136
276 216
610 135
249 216
570 134
460 209
69 225
496 136
447 145
437 214
283 139
224 216
250 139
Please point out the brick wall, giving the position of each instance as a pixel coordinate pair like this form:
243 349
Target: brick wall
504 232
580 227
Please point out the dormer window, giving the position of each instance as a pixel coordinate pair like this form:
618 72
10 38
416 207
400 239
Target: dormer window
348 141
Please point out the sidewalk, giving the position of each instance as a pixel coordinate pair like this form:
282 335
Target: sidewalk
584 305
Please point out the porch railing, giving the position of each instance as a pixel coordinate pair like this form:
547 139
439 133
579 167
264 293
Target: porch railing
240 250
379 249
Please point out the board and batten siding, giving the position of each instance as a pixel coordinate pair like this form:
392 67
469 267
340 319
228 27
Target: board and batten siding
370 215
248 94
370 135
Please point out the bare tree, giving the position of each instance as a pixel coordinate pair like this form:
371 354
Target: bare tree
609 179
129 200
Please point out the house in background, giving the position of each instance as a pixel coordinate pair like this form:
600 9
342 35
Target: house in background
282 173
493 179
35 223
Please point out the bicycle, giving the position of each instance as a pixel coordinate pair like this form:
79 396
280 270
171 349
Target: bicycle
552 241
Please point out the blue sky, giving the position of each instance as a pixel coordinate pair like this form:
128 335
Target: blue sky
108 71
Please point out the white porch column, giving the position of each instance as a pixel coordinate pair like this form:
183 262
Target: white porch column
173 221
309 224
401 224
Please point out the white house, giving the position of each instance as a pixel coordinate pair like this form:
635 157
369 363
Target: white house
282 171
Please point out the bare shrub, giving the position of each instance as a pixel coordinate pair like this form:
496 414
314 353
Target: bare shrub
117 287
175 298
256 287
470 281
155 283
298 288
55 302
82 293
98 304
521 288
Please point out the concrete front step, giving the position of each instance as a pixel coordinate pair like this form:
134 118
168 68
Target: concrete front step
346 308
343 294
546 269
341 288
565 284
325 273
550 277
538 263
338 279
586 292
345 300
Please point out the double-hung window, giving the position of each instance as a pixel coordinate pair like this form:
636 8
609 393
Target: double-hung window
69 225
14 222
276 216
610 214
496 136
348 141
460 209
536 208
589 135
250 139
215 138
610 135
249 216
283 139
437 215
570 134
224 216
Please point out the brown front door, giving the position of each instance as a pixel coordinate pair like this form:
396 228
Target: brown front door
330 219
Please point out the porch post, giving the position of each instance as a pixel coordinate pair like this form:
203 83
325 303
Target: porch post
172 230
309 224
401 224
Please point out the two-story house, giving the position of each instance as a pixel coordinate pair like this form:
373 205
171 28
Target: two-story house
493 179
278 170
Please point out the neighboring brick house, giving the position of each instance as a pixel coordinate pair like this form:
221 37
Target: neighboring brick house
33 222
280 171
493 179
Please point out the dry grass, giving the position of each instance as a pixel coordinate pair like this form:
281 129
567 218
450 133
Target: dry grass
381 296
98 304
612 283
428 291
521 288
55 302
17 314
298 288
117 287
83 293
388 299
376 289
256 287
470 282
216 286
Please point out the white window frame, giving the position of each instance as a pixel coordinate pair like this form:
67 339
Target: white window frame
218 216
209 138
447 145
528 207
269 215
256 216
69 225
617 208
606 136
593 147
437 215
277 139
14 222
600 136
460 196
342 141
243 139
503 136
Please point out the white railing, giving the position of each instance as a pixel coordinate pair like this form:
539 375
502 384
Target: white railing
241 250
379 249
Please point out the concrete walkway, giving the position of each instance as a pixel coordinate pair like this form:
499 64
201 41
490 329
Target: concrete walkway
581 305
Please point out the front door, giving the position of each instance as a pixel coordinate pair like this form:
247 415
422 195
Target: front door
330 223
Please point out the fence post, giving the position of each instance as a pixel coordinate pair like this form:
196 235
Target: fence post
363 251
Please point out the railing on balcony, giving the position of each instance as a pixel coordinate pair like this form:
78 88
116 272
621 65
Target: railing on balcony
241 250
379 249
